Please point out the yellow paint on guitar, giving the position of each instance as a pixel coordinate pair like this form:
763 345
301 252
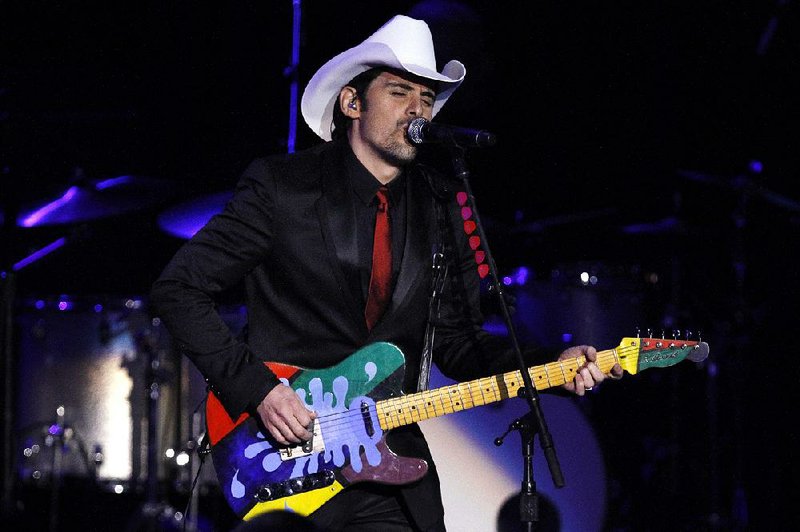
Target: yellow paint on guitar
627 354
302 503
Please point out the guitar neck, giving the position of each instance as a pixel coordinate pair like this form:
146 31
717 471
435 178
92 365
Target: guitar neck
407 409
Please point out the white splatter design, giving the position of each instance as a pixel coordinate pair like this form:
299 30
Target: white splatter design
371 369
342 427
237 488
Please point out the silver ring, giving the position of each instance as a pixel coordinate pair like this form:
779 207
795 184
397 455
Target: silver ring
589 388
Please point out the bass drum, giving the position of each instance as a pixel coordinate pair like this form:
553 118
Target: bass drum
84 389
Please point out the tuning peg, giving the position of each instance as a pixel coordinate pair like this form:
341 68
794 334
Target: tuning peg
649 333
638 332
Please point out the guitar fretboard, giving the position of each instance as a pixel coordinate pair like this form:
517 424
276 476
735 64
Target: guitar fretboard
407 409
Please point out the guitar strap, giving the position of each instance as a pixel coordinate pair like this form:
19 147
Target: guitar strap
438 276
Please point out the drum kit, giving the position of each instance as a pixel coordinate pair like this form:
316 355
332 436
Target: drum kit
96 400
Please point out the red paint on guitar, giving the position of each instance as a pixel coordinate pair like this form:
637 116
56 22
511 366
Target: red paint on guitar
218 420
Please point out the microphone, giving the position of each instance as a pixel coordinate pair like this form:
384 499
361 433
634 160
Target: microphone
423 131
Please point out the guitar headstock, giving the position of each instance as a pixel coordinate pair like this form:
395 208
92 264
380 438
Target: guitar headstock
639 354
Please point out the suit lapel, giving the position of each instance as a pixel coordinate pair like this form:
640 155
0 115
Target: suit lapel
418 245
337 221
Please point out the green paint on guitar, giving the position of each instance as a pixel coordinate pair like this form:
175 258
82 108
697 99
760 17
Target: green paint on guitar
360 370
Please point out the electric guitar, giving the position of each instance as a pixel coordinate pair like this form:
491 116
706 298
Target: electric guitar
357 401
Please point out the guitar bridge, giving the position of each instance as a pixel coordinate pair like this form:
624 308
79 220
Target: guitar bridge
314 445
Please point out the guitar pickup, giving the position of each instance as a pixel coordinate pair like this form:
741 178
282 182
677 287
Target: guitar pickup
314 445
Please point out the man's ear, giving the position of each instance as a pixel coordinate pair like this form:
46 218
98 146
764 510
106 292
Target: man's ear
348 102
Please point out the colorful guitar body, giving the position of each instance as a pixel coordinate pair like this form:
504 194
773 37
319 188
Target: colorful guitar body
357 402
248 462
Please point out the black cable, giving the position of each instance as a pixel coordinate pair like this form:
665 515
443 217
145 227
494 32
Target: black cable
202 450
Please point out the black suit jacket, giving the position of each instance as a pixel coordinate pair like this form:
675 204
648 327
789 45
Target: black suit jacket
287 232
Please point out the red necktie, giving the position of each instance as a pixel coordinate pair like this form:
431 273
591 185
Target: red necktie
381 278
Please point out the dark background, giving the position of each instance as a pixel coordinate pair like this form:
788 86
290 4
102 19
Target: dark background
653 143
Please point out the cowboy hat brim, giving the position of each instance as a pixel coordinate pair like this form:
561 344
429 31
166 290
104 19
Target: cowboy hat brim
322 91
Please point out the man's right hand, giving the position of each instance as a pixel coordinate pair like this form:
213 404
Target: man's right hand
285 415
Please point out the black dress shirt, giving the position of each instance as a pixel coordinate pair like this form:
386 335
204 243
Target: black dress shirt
363 187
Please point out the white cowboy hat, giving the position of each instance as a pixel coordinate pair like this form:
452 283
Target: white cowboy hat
403 43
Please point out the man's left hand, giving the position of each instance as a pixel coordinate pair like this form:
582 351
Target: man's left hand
589 375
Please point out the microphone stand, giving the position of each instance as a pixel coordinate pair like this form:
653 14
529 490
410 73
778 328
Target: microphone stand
533 422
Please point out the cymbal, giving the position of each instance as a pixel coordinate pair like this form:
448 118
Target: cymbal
187 218
741 184
668 225
91 200
542 225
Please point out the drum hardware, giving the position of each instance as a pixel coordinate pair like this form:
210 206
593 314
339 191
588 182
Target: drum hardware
44 460
747 190
47 451
56 488
155 514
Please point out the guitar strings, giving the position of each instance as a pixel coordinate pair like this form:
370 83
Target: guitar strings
400 417
336 422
